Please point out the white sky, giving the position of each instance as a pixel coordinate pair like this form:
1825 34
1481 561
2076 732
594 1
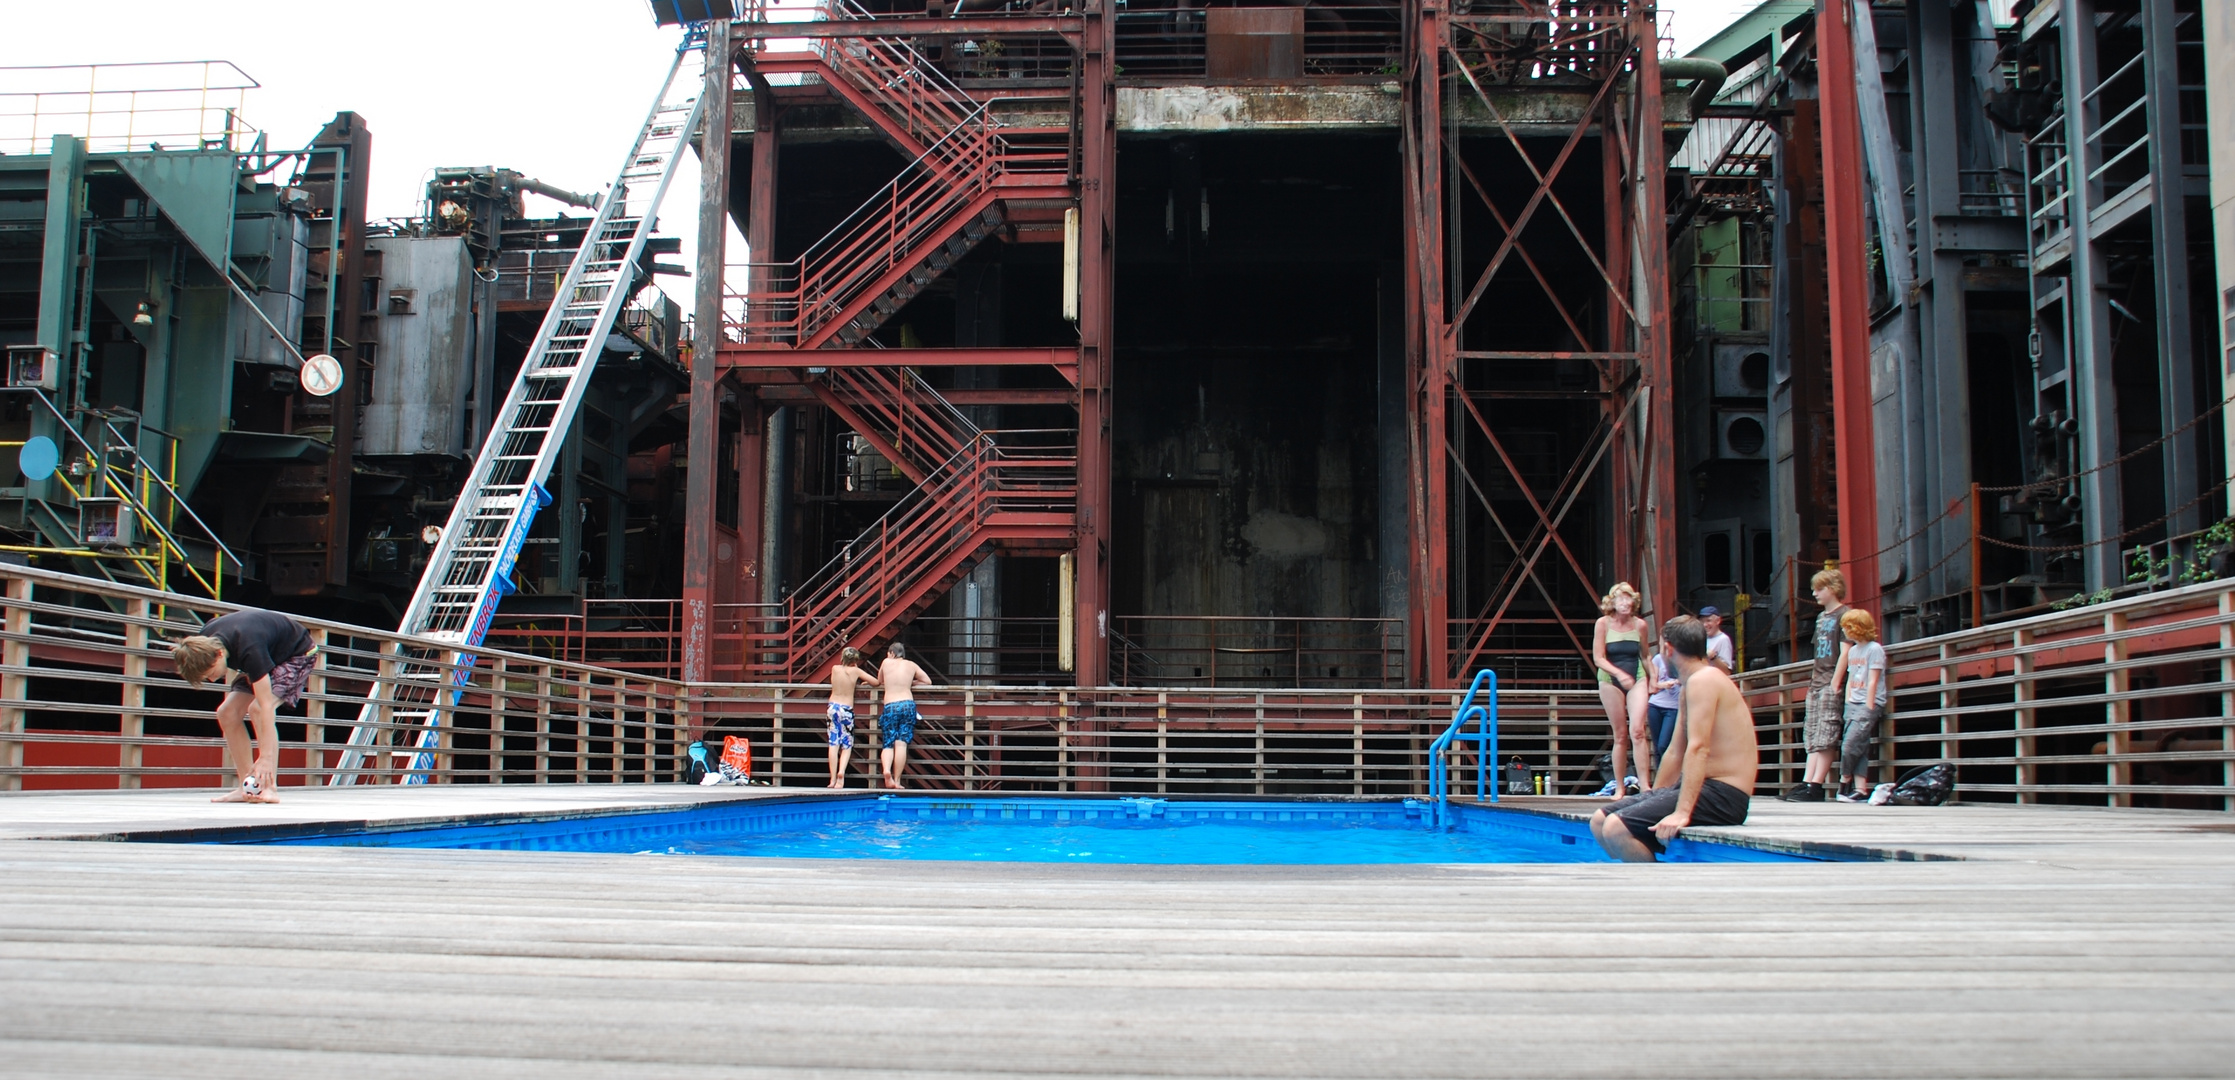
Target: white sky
555 89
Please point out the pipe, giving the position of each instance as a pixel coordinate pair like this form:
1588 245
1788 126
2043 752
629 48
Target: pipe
529 183
1706 77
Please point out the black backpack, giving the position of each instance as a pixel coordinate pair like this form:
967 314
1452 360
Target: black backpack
1927 786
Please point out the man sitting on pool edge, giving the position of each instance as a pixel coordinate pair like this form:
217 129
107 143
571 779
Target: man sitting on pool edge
1715 748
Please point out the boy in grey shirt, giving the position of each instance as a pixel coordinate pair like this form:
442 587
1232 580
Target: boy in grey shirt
1866 703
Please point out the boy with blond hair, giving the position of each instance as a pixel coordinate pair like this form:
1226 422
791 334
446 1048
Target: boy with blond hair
263 659
1866 703
1824 722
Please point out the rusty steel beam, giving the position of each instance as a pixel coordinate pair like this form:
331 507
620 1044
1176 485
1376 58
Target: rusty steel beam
1429 344
1657 370
1847 266
750 357
1097 255
705 401
911 26
796 391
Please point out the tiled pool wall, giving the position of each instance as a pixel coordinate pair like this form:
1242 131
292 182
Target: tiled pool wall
658 829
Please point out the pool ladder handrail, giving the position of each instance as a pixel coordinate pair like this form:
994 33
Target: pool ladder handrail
1486 745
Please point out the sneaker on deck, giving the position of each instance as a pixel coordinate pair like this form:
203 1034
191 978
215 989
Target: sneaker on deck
1803 792
1854 796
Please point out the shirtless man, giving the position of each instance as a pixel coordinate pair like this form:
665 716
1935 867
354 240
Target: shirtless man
1715 770
896 725
845 676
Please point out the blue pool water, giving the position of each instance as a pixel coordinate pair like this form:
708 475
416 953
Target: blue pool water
1046 829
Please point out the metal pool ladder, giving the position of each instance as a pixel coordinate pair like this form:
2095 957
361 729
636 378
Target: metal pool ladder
1486 747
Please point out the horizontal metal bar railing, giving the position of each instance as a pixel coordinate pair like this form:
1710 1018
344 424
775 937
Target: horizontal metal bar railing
2130 703
87 697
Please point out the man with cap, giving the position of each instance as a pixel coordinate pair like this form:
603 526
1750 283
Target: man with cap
1719 652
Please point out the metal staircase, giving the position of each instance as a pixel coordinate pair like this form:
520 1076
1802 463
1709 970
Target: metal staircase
989 496
901 416
470 569
951 195
977 492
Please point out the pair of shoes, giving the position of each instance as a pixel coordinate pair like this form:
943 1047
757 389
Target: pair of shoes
1630 786
1803 792
1854 797
1605 792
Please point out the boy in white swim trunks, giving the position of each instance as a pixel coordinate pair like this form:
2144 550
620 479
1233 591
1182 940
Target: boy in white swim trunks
846 676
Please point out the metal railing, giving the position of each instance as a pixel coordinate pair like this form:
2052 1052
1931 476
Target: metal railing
1241 650
2128 703
1485 716
186 105
87 698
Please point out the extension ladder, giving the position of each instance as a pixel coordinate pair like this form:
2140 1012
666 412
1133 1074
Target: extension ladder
470 570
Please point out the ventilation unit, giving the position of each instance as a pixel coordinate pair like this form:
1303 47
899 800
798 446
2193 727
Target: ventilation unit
1741 435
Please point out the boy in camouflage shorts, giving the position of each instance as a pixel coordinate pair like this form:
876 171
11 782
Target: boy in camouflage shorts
1825 720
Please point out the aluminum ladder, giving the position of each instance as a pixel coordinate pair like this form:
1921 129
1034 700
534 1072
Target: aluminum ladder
470 571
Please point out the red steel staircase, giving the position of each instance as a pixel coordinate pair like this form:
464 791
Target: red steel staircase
976 492
957 190
992 495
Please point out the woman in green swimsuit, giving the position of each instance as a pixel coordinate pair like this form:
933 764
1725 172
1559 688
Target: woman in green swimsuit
1618 652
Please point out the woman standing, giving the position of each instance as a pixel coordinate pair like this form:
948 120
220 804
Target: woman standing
1618 652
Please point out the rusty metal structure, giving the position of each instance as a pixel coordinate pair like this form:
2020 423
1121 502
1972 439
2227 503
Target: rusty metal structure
1528 141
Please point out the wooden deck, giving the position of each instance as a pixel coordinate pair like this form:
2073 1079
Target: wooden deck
2063 943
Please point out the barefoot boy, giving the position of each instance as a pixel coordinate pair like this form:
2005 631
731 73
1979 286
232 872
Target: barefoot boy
265 659
845 676
896 725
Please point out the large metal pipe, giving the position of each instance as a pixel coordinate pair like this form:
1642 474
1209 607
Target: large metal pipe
1706 77
776 506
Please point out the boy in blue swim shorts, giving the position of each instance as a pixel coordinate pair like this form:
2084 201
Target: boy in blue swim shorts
896 725
846 676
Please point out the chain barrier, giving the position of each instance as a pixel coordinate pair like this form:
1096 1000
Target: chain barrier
2122 458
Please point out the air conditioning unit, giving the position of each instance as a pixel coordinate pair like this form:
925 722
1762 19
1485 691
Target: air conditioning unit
1741 369
1741 435
33 366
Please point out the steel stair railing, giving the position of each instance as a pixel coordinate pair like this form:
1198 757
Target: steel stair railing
470 570
885 575
1485 717
907 420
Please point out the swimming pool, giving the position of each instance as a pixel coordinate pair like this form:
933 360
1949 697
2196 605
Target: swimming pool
1051 830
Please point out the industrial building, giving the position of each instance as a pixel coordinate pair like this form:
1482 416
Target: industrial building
1340 344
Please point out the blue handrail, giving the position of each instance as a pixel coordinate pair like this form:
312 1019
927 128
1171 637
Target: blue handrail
1486 746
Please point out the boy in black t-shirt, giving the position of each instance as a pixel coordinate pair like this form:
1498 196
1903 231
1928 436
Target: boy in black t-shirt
264 658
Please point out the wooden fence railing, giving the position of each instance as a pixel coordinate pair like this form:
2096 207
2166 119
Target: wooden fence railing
88 699
2130 703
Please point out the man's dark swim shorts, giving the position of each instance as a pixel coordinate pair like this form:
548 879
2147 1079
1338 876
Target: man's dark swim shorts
897 723
1719 804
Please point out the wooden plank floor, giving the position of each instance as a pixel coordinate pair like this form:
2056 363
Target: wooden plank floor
2068 943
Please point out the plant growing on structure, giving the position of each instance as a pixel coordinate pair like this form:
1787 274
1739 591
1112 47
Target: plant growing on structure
2078 600
2200 564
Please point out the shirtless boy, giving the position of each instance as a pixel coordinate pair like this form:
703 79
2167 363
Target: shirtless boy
1719 757
896 725
263 659
845 676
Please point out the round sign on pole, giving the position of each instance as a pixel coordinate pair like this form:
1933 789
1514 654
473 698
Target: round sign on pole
38 458
321 375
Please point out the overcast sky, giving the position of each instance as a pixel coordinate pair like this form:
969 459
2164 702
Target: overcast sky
555 89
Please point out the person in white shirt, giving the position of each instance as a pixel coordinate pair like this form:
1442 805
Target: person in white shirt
1866 703
1719 651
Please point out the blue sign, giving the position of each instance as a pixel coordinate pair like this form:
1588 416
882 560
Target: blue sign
38 458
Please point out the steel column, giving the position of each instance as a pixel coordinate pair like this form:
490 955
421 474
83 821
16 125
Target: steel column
1097 275
1656 362
705 404
2090 390
1848 268
2176 370
1430 345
